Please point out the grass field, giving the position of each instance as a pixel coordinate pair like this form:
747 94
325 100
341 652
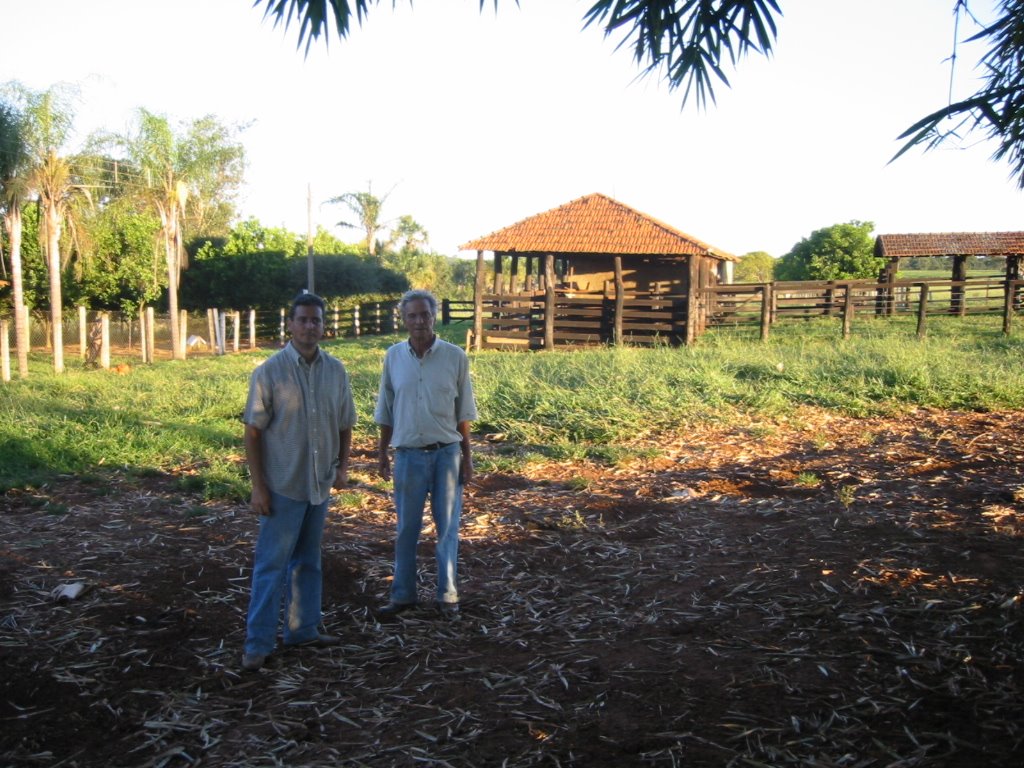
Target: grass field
184 417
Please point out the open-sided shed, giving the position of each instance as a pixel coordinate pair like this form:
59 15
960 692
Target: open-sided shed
959 246
591 271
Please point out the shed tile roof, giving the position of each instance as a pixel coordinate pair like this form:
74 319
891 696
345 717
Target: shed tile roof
950 244
594 224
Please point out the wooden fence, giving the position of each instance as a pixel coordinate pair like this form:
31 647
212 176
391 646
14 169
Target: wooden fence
217 331
765 304
521 321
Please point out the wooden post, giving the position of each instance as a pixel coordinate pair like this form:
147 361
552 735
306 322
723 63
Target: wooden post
497 274
5 352
766 310
513 275
83 331
549 301
478 303
446 312
222 333
922 311
183 333
692 286
211 328
236 321
142 334
105 341
150 334
620 300
355 321
1008 307
958 293
848 311
334 320
252 329
283 339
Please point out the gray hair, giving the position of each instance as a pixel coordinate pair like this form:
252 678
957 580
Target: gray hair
415 295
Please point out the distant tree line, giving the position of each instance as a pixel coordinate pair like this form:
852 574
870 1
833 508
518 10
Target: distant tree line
839 252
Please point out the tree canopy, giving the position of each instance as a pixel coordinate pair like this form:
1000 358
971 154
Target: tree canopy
689 42
755 267
840 252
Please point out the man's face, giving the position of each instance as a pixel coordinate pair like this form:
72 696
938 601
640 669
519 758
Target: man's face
306 326
419 321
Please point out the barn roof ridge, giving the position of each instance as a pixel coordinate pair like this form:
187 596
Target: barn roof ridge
594 223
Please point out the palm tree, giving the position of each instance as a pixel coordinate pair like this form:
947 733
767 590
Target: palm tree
690 41
156 152
367 207
48 125
192 173
12 194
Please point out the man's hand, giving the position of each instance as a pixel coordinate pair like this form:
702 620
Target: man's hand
340 478
384 464
466 470
260 501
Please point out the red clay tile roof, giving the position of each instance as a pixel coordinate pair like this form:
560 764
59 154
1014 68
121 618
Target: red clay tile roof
950 244
594 224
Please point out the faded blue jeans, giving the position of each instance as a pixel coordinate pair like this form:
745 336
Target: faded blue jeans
417 474
287 560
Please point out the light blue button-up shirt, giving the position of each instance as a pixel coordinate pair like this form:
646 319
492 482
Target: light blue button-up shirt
423 400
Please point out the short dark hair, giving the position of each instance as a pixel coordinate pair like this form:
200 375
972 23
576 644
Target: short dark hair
307 299
414 295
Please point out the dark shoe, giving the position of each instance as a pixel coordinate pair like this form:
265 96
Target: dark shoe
253 661
320 641
448 610
393 609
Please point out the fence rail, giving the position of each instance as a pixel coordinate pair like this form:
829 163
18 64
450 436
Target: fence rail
765 304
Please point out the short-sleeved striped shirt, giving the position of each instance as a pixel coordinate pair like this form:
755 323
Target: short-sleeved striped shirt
301 409
424 399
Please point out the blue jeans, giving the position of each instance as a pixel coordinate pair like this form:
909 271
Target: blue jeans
287 560
416 474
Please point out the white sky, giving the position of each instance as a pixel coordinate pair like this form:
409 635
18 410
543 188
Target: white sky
474 120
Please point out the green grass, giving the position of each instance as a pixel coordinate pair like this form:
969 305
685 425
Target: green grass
603 404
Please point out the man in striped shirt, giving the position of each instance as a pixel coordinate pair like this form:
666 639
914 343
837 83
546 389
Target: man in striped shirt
298 436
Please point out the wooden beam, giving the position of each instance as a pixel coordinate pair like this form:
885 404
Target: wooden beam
692 284
497 273
549 301
620 289
478 303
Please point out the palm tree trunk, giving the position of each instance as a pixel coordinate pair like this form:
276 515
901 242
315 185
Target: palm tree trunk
53 223
171 251
13 222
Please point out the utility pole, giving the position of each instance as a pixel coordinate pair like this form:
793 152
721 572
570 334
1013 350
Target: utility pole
310 282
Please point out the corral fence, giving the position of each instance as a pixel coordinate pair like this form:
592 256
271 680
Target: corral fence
559 318
521 321
96 335
765 304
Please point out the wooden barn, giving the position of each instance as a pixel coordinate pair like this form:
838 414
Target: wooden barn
593 271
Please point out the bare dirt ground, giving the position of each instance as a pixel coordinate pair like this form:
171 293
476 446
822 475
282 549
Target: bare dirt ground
824 592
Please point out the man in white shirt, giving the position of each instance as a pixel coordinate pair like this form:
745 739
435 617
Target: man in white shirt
424 409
